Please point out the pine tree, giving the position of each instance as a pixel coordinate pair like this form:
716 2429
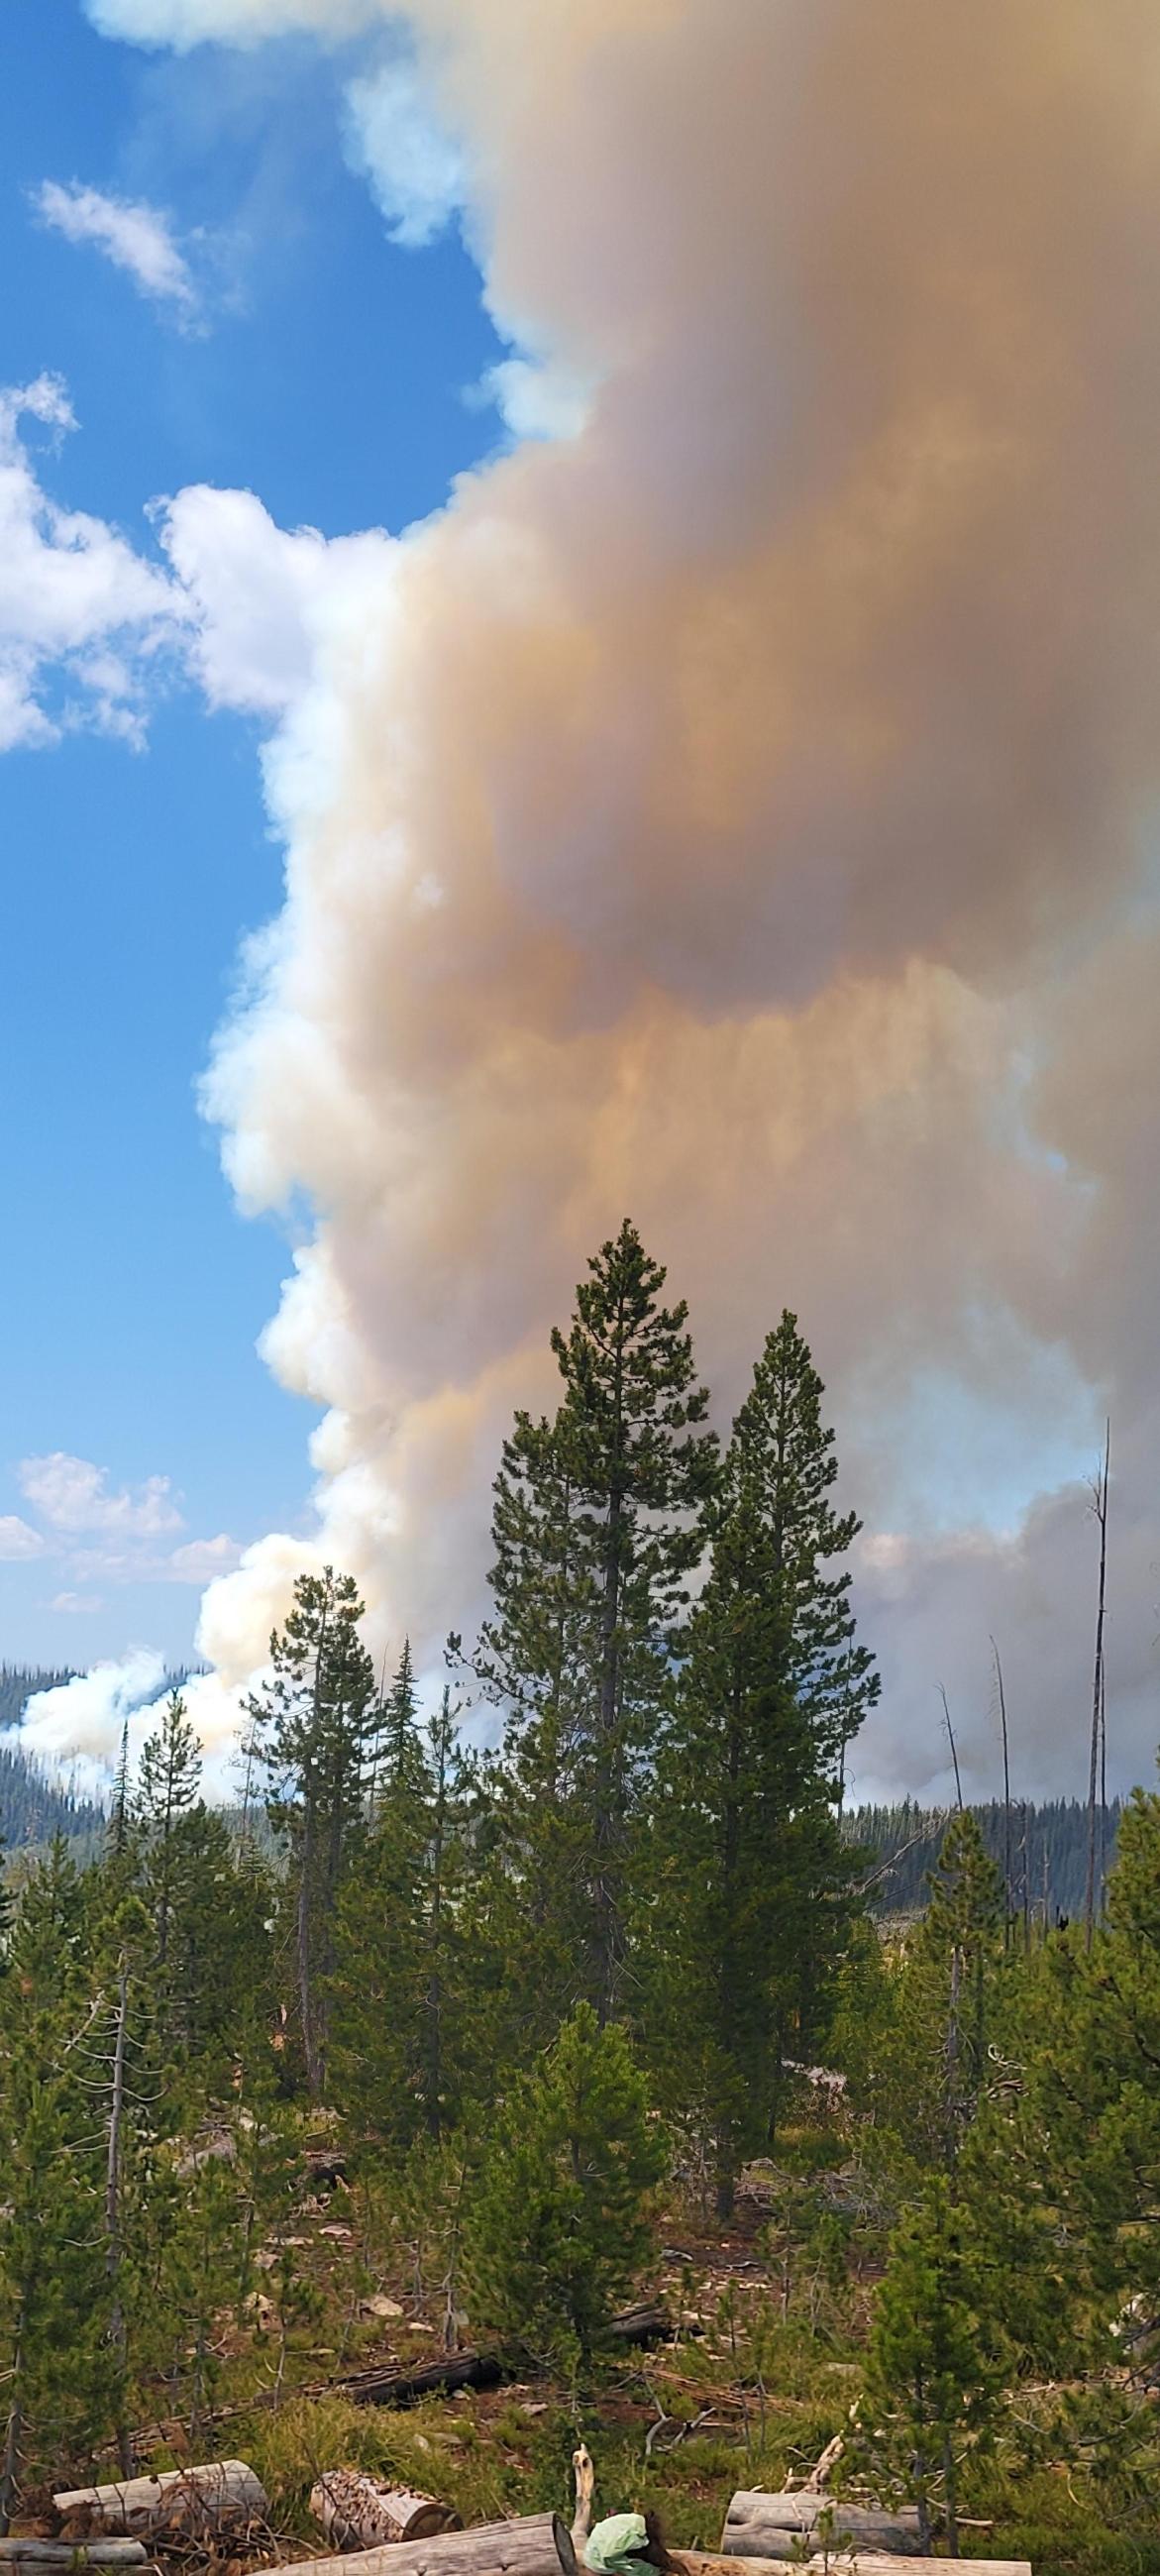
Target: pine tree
621 1482
931 2052
934 2369
961 1937
399 1766
560 2222
451 1803
311 1727
749 1893
168 1780
1092 2068
51 2248
538 1657
782 1457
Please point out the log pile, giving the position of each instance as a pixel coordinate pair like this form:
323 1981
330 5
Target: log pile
220 2498
357 2512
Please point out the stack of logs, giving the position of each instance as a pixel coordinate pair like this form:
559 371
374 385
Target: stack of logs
390 2531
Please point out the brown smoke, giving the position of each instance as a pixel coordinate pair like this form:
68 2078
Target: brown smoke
734 812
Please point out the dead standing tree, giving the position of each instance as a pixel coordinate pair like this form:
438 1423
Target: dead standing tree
1097 1774
1001 1703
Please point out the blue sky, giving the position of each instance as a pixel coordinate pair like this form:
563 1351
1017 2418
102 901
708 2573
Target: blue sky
328 375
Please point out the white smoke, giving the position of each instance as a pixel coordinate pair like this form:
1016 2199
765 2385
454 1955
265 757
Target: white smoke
733 808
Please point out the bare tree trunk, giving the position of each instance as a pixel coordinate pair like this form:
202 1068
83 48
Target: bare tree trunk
608 1820
1002 1697
950 2489
305 1959
113 2244
1101 1511
15 2427
953 1746
952 2053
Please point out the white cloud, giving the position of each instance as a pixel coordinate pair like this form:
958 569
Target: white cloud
81 614
76 1604
262 601
183 23
393 140
538 401
135 237
73 1496
17 1540
202 1560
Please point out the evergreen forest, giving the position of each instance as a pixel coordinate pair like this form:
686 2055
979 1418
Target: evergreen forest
458 2038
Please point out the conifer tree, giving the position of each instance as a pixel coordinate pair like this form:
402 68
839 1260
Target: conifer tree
596 1532
399 1766
51 2254
1092 2068
934 2369
930 2056
560 2221
168 1780
538 1657
783 1458
749 1892
311 1726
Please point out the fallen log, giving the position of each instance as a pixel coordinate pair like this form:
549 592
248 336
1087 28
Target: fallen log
773 2526
358 2512
214 2497
877 2564
861 2562
646 2325
15 2550
442 2378
536 2546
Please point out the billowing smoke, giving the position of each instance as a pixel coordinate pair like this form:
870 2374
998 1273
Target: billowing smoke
735 807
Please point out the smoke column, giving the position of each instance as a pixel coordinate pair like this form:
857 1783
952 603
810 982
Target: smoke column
734 808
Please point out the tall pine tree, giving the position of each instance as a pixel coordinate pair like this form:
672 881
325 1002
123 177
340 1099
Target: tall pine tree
596 1531
748 1887
311 1727
782 1457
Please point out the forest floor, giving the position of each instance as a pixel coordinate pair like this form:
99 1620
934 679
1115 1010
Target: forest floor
761 2374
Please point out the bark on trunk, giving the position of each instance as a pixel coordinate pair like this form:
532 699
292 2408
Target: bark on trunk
73 2553
210 2498
537 2546
358 2512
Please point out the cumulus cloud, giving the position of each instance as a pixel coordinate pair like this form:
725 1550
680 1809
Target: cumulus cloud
110 1534
203 1560
72 1495
135 237
17 1539
413 165
734 808
82 617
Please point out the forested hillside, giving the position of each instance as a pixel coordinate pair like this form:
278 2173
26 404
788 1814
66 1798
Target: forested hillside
1047 1845
32 1807
465 2049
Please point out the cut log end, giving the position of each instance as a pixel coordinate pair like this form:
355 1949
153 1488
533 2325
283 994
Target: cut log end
358 2512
